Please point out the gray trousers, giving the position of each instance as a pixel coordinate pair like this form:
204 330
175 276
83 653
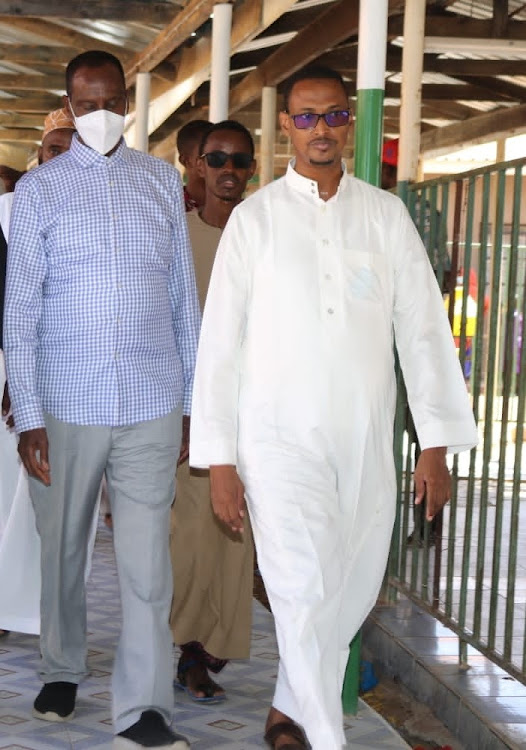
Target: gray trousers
139 461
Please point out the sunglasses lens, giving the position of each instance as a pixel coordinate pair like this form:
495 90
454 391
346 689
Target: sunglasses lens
305 120
216 159
337 119
241 160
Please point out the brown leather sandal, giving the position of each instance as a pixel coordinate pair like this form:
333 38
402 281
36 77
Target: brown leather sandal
286 729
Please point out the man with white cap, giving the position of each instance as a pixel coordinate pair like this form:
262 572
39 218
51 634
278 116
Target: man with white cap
19 541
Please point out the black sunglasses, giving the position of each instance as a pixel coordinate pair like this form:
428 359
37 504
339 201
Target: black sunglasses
309 120
217 159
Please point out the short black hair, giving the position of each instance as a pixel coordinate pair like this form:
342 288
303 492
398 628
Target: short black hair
232 125
191 134
309 72
95 58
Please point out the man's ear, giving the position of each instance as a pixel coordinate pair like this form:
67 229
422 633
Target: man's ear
39 155
284 123
252 169
183 159
200 167
65 102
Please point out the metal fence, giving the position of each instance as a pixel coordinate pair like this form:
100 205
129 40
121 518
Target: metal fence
470 569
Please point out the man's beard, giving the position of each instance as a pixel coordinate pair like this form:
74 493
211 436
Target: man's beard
318 163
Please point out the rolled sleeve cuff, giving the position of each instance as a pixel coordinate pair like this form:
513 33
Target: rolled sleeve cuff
456 436
213 453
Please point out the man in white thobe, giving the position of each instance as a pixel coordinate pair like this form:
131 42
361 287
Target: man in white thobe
294 397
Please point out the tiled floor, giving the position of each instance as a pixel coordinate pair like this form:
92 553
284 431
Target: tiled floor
237 723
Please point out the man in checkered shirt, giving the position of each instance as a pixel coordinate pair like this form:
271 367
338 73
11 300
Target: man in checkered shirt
101 327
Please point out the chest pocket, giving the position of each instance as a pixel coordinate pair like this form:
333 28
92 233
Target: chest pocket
365 277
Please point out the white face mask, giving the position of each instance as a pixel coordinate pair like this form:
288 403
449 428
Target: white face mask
101 130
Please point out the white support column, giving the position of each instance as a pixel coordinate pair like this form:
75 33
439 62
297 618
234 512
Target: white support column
142 105
267 143
219 79
410 109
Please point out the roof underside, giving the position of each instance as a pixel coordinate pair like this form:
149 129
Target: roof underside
474 83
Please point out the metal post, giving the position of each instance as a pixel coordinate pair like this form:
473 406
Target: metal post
268 135
372 46
411 98
219 79
142 103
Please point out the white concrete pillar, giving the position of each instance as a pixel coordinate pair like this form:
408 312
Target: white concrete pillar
142 105
267 142
219 79
410 109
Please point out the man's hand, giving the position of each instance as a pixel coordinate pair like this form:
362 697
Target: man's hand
228 496
33 450
185 442
432 480
6 407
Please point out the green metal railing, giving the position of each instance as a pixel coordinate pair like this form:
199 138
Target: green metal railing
470 571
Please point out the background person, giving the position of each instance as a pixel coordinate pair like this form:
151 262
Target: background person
189 139
295 390
212 604
19 541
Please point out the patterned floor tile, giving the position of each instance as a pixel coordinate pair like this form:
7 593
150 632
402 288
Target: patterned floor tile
236 724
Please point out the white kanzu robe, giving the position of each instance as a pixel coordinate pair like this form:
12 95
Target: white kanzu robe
295 386
20 580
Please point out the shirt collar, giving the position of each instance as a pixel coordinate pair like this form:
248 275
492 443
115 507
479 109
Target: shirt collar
310 187
88 157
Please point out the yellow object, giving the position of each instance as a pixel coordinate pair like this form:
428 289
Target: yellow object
471 313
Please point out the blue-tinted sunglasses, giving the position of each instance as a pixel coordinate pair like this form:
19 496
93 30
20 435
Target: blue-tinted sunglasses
309 120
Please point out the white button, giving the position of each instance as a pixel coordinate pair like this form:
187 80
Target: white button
325 242
111 183
116 355
328 276
330 310
119 285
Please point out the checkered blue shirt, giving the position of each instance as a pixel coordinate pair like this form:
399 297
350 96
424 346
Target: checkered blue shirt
101 315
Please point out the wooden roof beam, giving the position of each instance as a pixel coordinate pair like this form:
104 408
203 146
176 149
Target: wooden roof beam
494 86
81 41
44 103
333 25
248 21
159 12
35 54
20 134
178 30
32 82
63 35
448 92
21 120
465 68
501 123
450 24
